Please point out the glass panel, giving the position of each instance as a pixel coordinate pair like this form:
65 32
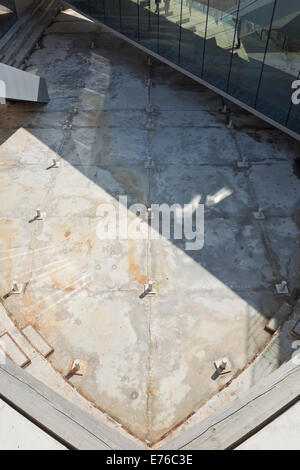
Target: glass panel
97 9
169 29
7 15
148 22
293 121
113 14
220 36
130 18
253 24
282 62
248 48
192 39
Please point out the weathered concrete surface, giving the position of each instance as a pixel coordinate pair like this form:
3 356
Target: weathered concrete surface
18 433
150 359
41 369
280 434
281 346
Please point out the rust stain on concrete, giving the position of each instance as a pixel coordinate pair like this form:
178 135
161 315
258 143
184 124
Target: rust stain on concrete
57 284
133 268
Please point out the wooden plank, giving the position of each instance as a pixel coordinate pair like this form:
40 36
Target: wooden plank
37 340
56 415
245 415
13 350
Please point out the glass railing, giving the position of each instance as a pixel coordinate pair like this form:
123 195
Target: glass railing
249 49
7 15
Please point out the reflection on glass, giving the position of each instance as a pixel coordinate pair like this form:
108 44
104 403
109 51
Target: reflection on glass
130 19
251 42
149 15
192 39
247 48
169 29
220 37
282 62
97 9
113 14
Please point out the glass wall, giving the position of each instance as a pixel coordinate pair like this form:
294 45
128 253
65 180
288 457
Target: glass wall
247 48
7 15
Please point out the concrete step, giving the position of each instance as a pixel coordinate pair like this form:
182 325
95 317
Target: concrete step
13 350
21 39
37 340
15 343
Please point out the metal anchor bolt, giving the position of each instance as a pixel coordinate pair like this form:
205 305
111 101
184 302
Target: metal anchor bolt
259 215
223 366
230 124
38 215
282 288
55 163
15 288
149 108
149 163
243 163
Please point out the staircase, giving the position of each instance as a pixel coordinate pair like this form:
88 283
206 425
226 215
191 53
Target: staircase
19 41
26 347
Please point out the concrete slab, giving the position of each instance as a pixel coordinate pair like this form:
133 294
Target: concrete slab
276 188
194 145
188 331
259 145
185 98
224 191
15 254
17 148
40 120
284 243
194 119
29 189
118 119
240 249
106 147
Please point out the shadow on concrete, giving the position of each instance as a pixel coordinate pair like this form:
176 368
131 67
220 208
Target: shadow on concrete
247 256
